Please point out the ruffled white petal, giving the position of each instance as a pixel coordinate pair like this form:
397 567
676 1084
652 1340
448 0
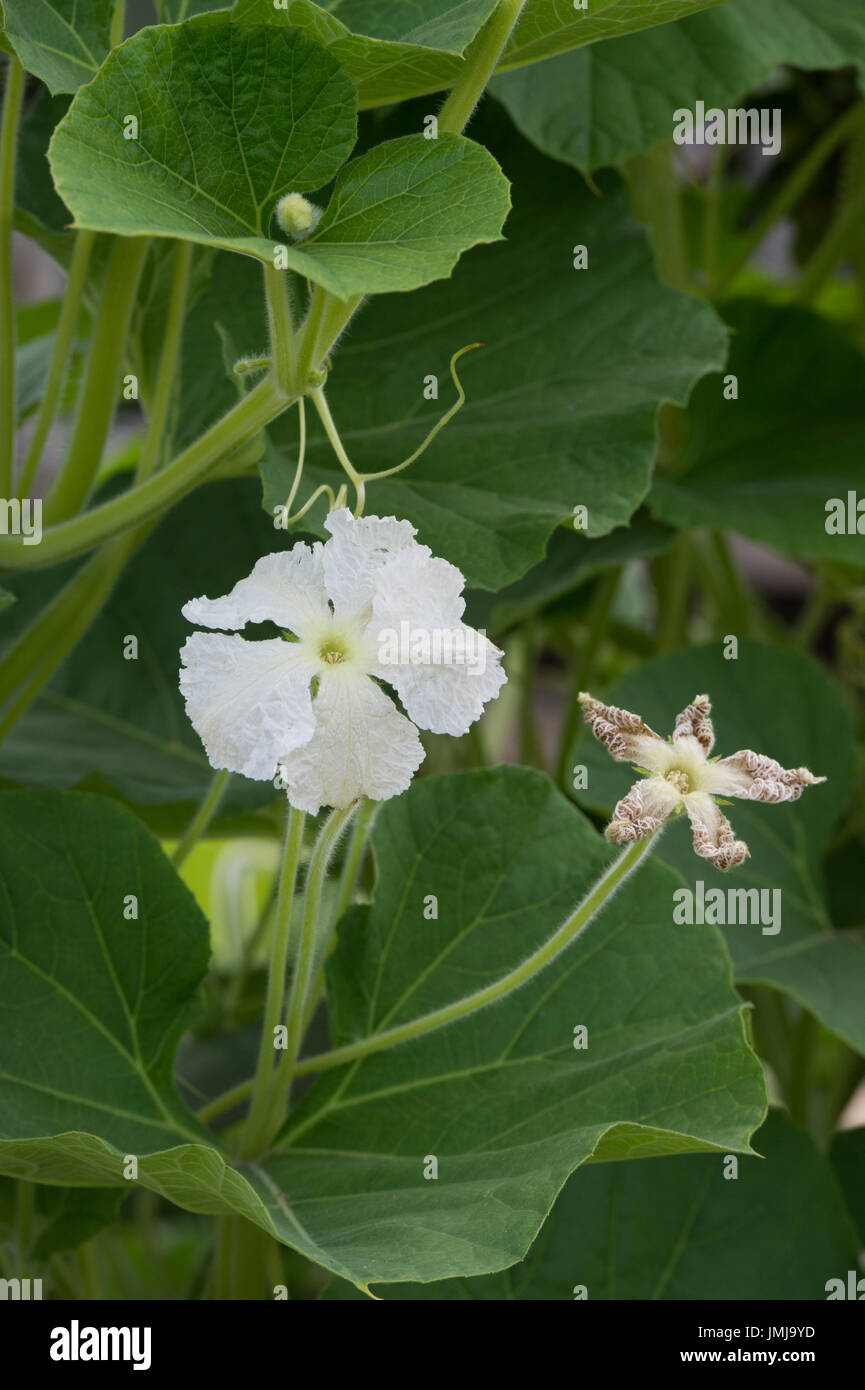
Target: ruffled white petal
354 556
694 726
646 806
249 702
754 777
362 746
625 735
448 697
712 832
286 587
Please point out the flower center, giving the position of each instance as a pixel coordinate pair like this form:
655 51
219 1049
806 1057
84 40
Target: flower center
332 650
680 780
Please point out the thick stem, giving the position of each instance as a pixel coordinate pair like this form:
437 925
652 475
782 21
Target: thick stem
96 408
282 345
12 98
481 60
255 1135
148 499
166 375
594 901
310 940
67 325
202 818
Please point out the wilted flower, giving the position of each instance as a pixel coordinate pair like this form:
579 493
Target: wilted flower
309 705
679 774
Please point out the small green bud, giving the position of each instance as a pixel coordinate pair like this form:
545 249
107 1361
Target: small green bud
297 216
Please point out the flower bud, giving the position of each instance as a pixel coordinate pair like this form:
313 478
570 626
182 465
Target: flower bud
297 216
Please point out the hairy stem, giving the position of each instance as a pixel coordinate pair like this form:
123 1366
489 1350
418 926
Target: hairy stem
12 98
255 1135
282 345
67 325
562 937
98 402
161 490
166 375
202 818
481 60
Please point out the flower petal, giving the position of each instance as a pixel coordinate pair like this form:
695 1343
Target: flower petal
694 725
443 671
362 746
249 702
355 554
286 587
625 735
646 806
754 777
713 834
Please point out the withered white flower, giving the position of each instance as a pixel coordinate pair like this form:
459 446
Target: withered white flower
312 708
680 775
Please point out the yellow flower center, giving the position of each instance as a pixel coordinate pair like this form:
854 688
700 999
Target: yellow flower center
680 780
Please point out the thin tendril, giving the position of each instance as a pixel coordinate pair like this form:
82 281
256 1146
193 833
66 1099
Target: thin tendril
461 395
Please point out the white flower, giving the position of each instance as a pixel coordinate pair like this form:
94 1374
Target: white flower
312 709
681 776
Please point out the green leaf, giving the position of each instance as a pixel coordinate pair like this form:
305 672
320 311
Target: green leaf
400 50
63 1217
63 42
211 158
571 561
558 413
120 721
6 599
503 1099
93 1001
848 1160
785 705
402 214
769 464
674 1229
604 104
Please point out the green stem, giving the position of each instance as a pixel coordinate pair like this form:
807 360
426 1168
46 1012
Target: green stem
166 376
789 194
594 901
255 1134
147 499
226 1101
481 61
308 357
67 327
596 631
310 940
44 645
738 604
12 99
318 399
675 570
118 19
801 1062
347 886
73 483
657 202
843 230
282 346
202 818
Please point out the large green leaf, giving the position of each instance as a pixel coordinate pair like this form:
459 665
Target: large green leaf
768 463
62 41
785 705
848 1160
62 1219
676 1229
603 104
93 1001
559 410
402 49
230 118
503 1099
123 720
